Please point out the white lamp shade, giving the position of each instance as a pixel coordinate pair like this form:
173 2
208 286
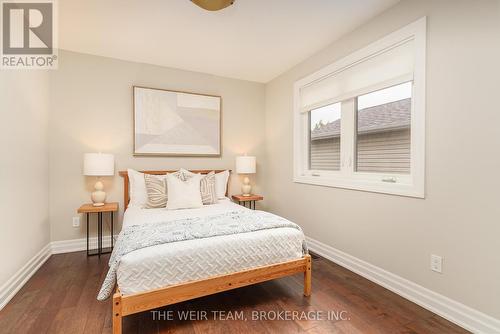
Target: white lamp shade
245 165
98 164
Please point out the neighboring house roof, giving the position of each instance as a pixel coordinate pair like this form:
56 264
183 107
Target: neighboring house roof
385 117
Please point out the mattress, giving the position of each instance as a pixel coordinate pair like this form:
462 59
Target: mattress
173 263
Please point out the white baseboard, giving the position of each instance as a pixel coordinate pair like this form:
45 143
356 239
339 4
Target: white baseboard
460 314
77 245
16 282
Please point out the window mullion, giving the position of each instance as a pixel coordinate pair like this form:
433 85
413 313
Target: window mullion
348 133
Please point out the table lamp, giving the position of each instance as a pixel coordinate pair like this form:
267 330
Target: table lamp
98 164
245 165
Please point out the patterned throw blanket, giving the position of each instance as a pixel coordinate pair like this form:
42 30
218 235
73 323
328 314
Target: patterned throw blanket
146 235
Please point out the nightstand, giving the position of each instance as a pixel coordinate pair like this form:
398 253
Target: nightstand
243 200
88 209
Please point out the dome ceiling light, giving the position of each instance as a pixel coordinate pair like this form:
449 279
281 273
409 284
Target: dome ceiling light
213 5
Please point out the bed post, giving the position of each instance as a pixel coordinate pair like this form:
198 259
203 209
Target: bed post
117 312
126 198
307 276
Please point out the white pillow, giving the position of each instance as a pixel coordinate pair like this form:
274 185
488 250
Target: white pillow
137 189
183 194
221 183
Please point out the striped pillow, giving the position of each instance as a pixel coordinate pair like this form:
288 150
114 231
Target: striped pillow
156 187
207 189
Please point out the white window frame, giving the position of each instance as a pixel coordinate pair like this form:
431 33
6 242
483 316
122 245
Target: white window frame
412 184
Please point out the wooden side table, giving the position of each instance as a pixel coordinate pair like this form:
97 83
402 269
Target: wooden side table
243 200
88 209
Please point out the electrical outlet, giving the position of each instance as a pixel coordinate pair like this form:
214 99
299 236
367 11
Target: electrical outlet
436 263
76 221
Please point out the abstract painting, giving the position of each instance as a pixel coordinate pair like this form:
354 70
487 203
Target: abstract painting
171 123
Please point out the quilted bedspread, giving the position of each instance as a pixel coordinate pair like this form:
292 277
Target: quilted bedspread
136 237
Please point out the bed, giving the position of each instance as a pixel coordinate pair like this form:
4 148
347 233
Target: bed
170 273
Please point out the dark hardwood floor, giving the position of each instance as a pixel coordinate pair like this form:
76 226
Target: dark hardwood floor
61 298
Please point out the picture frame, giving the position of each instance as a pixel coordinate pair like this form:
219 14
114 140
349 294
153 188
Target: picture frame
176 123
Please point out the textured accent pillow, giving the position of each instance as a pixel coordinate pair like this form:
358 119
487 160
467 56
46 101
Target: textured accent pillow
183 194
156 188
207 189
137 190
181 174
184 174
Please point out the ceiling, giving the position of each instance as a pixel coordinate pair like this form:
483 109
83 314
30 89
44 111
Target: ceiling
252 40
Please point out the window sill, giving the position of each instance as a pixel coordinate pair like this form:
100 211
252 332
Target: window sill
400 189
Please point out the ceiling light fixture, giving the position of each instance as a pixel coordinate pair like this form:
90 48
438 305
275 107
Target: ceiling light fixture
213 5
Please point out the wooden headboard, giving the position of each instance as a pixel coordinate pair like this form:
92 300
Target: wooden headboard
124 174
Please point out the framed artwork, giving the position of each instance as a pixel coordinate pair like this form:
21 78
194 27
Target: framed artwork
172 123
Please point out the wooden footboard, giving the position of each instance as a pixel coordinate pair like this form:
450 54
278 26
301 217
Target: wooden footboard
139 302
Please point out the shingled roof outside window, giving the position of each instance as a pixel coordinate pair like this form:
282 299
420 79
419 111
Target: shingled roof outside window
385 117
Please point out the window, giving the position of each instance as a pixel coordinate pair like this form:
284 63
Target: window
324 138
359 122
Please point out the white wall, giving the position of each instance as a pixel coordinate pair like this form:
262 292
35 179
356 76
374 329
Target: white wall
92 111
459 218
24 206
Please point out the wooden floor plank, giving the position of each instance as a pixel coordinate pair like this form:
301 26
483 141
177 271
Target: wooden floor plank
61 298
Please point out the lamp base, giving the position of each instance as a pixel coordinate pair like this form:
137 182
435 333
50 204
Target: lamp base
246 188
98 196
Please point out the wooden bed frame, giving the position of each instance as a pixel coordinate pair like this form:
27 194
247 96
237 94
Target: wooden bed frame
124 305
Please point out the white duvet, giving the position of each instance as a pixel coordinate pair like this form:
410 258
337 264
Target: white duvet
162 265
